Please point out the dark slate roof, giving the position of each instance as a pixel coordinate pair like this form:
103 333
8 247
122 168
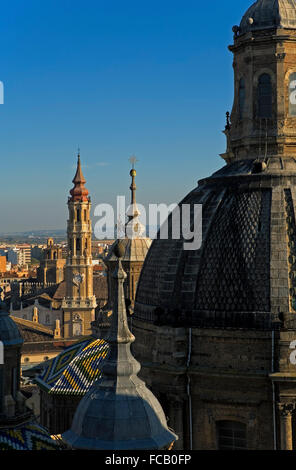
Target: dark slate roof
265 14
74 370
242 275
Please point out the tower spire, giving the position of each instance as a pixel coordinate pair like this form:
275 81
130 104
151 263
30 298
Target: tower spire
79 192
133 227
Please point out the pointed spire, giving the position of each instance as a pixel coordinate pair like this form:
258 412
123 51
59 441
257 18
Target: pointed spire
134 228
79 192
119 412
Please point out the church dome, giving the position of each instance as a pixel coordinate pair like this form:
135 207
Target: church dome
244 272
265 14
9 332
135 249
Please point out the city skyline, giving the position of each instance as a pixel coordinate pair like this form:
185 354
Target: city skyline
114 80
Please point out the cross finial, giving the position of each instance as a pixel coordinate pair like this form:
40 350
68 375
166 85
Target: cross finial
133 160
78 151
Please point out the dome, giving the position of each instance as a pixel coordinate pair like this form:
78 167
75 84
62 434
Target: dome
9 332
135 249
244 272
265 14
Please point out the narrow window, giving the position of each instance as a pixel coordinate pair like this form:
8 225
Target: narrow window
1 388
14 382
264 96
242 97
78 245
231 435
78 215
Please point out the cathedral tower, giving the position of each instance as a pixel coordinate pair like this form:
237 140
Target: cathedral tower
80 303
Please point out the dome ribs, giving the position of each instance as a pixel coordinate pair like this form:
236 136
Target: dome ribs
243 274
268 14
231 273
193 258
279 289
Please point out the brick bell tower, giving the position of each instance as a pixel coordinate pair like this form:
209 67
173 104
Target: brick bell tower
80 303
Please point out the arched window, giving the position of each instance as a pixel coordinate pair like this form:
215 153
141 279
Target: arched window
231 435
78 245
242 97
78 215
264 96
292 94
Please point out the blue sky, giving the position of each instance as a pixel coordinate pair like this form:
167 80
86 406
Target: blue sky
116 78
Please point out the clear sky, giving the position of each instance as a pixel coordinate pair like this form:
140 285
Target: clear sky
115 77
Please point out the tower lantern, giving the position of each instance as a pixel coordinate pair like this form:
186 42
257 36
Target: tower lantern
263 116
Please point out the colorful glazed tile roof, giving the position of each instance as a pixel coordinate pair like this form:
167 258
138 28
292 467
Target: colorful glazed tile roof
29 436
75 370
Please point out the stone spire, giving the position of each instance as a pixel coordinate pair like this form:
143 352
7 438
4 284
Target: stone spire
79 192
119 412
133 228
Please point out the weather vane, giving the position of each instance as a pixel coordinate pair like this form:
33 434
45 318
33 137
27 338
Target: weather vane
133 160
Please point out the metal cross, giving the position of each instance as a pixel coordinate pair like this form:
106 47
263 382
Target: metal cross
133 160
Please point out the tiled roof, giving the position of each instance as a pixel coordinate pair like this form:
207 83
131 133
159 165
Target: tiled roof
75 370
60 292
100 284
29 436
32 325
